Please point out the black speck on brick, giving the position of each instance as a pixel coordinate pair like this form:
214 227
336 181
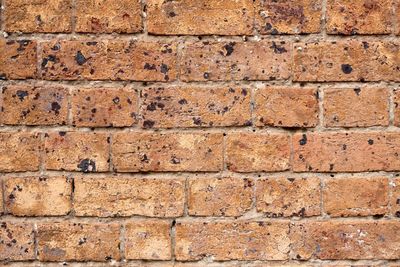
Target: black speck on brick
346 68
303 140
80 58
87 165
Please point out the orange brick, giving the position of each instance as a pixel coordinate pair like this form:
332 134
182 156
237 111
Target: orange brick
38 196
254 152
353 196
102 107
70 241
288 17
346 152
77 151
118 196
108 60
239 240
360 107
16 241
195 107
285 197
200 17
17 59
148 240
395 197
107 16
141 152
29 105
38 16
346 61
222 61
219 196
359 17
300 108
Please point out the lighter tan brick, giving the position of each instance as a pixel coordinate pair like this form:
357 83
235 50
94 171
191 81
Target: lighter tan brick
395 197
118 196
195 107
16 241
396 101
141 152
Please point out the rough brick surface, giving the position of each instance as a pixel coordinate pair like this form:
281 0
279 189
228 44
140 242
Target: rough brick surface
17 241
395 198
396 101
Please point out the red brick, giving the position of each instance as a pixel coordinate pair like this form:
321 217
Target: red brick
254 152
141 152
118 196
300 108
346 152
200 17
360 107
196 106
222 61
17 241
108 60
346 61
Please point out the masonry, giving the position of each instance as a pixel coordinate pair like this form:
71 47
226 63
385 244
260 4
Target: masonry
200 133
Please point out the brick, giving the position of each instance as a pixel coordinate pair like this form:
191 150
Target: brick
104 107
353 196
70 241
38 196
222 61
346 240
300 109
360 107
395 197
38 16
239 240
254 152
77 151
346 152
288 17
30 105
195 107
17 241
346 61
396 101
359 17
118 196
108 60
200 17
17 59
141 152
107 16
148 240
285 197
19 151
220 196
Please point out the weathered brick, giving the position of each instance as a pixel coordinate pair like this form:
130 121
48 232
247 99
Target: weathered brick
200 17
107 16
74 241
37 196
395 197
219 196
360 107
219 61
285 197
352 196
102 107
17 59
239 240
30 105
108 60
346 152
253 152
195 107
16 241
118 196
77 151
148 240
300 108
137 152
347 61
359 17
396 100
288 17
346 240
19 151
38 16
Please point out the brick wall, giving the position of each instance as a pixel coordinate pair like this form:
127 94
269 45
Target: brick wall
194 132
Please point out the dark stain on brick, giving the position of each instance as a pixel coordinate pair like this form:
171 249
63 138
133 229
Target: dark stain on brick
346 68
22 94
148 124
278 49
229 48
80 58
303 141
87 165
55 107
370 142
